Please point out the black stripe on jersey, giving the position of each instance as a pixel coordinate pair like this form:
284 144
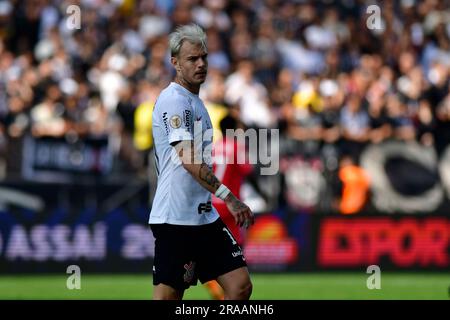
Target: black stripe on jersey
156 163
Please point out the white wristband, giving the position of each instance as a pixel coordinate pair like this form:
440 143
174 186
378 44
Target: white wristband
222 192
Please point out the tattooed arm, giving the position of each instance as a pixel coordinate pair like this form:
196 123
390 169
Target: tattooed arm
205 176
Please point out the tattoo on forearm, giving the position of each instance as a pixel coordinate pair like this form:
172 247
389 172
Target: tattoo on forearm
208 176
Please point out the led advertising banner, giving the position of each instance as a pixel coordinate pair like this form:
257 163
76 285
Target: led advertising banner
45 228
401 242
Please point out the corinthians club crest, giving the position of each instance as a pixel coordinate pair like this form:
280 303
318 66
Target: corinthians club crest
189 274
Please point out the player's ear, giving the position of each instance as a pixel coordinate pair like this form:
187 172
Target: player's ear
174 62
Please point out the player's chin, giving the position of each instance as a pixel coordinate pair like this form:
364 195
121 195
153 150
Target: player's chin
200 78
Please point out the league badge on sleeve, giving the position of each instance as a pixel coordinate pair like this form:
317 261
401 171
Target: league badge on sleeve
175 121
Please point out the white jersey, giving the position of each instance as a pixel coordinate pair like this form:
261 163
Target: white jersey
179 198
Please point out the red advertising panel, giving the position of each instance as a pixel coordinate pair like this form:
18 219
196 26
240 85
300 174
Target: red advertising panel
404 242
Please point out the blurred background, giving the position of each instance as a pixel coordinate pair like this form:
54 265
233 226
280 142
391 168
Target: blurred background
360 98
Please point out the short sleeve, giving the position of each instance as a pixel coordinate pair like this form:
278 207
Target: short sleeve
177 119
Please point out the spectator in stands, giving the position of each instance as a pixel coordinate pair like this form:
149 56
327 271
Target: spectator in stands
402 125
354 122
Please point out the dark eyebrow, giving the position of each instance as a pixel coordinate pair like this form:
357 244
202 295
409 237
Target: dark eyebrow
200 55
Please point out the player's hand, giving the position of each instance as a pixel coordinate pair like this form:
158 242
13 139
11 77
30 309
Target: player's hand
241 212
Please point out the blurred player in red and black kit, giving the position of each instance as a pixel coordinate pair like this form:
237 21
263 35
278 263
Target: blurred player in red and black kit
227 168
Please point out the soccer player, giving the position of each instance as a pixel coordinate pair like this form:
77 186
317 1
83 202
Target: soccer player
191 241
231 172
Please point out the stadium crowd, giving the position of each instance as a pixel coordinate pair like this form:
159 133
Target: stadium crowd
316 70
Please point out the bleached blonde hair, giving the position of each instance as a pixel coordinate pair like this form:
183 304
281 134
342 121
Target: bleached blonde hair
191 32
